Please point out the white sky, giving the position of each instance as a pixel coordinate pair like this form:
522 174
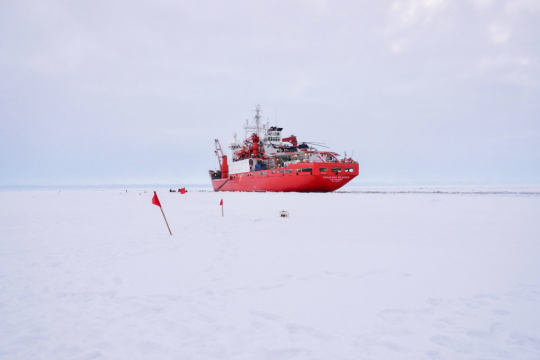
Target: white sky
423 91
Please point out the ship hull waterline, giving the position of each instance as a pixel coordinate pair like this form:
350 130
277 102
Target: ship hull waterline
287 182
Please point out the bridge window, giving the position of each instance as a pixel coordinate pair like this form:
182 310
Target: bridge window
280 171
307 170
323 169
349 170
336 169
288 171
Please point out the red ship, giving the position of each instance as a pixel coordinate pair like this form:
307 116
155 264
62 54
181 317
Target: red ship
265 161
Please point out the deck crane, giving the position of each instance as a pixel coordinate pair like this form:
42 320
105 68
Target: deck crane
222 159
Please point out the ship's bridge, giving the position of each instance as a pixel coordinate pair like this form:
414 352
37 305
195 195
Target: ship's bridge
272 140
273 135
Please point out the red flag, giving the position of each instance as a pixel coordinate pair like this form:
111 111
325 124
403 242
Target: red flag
221 203
155 200
182 190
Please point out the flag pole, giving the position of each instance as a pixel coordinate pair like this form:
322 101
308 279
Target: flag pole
155 201
166 222
222 215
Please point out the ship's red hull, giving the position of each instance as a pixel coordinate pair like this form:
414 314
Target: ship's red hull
299 180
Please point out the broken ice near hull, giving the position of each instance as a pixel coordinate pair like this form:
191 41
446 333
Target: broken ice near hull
380 275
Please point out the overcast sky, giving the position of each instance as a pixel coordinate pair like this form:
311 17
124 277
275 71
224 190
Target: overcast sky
423 91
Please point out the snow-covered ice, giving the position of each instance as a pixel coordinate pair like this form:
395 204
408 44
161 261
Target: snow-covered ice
362 275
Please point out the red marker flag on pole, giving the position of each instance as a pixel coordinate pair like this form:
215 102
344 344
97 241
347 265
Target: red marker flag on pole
182 190
155 201
221 203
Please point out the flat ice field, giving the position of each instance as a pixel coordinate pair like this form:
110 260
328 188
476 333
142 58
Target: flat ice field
96 275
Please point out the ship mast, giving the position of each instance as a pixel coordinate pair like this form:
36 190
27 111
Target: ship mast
258 119
256 127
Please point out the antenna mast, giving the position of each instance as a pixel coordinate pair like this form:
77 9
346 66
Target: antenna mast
258 118
256 126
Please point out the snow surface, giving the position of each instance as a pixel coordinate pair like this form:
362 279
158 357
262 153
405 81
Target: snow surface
381 275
